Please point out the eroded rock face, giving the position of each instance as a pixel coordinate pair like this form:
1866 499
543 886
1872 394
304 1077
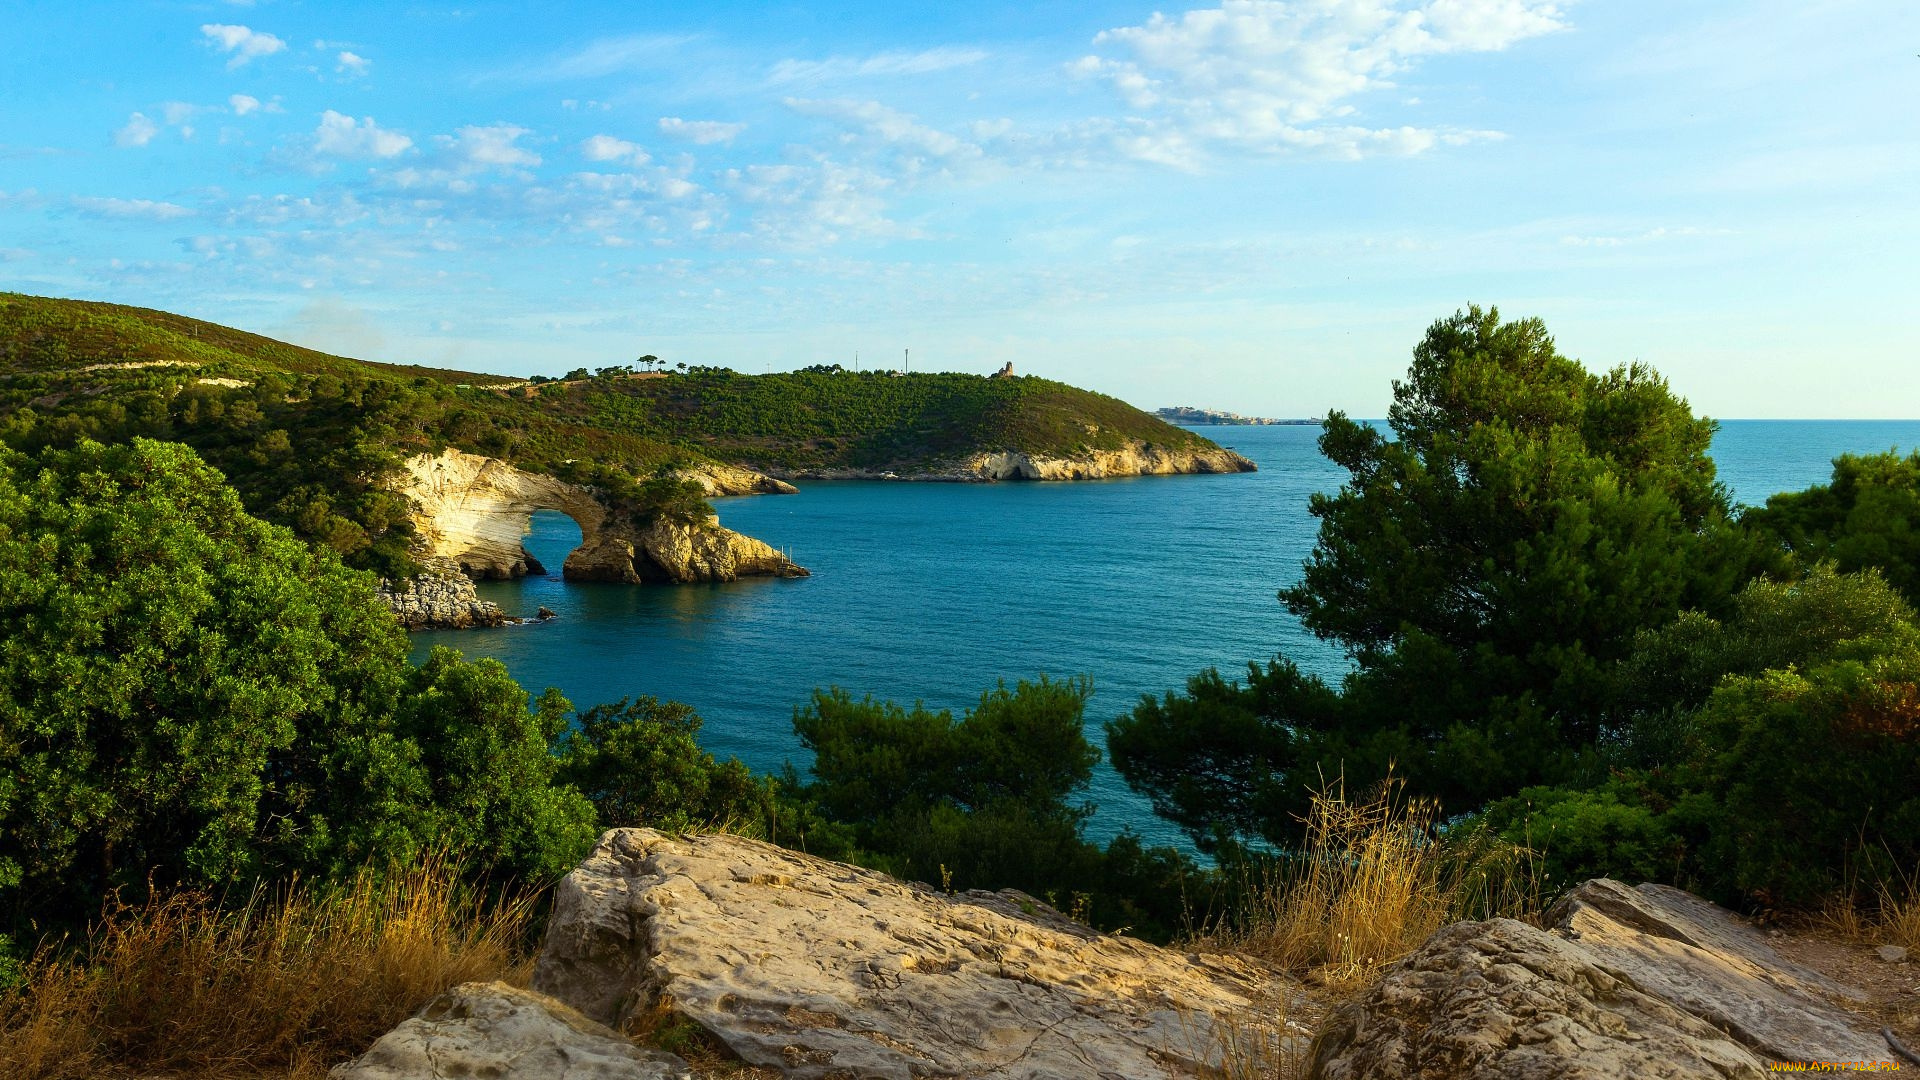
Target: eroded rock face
497 1031
471 511
1137 459
818 969
1647 982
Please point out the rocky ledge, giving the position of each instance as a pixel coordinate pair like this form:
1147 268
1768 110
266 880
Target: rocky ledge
815 970
1135 459
1624 982
811 969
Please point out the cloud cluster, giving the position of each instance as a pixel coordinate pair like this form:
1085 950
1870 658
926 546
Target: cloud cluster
701 132
1285 74
339 135
243 44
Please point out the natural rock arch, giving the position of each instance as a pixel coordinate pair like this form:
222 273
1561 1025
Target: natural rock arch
473 510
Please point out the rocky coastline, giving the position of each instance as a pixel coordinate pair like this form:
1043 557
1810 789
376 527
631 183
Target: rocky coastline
1136 458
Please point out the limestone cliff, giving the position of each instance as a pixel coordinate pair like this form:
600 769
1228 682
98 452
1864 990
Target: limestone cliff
473 510
1136 458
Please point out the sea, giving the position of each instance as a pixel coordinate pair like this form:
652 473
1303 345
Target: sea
934 592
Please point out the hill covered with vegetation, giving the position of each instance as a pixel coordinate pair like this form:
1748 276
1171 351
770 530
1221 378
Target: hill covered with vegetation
830 418
310 440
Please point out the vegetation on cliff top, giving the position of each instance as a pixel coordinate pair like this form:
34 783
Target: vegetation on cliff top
310 440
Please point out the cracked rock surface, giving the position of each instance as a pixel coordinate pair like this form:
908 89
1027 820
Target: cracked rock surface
497 1032
1648 983
818 969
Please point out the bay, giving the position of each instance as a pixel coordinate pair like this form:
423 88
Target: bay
933 592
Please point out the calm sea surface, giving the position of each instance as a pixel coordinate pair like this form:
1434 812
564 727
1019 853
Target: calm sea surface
931 592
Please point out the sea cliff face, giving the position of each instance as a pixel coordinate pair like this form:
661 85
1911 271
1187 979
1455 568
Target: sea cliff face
470 511
1136 458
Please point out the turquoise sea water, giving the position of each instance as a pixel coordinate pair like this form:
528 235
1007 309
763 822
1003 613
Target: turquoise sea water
931 592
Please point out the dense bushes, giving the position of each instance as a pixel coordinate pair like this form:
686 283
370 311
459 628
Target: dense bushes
190 695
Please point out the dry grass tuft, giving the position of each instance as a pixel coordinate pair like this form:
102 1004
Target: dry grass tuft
294 980
1373 880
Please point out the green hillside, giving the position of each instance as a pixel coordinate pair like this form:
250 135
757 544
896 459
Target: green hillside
309 438
829 418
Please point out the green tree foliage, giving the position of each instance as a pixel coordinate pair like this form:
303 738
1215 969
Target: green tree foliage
1867 515
640 763
190 694
1484 566
988 800
1772 753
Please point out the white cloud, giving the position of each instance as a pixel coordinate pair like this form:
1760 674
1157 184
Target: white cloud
492 146
1279 75
606 57
703 132
130 208
608 148
340 136
353 64
242 104
139 131
890 127
1650 236
245 44
879 65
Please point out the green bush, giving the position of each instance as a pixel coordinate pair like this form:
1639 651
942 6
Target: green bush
640 763
1606 832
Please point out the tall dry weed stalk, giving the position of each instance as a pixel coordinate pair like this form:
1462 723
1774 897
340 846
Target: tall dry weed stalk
1371 880
291 981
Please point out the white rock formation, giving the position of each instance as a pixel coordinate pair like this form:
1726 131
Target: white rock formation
1135 459
473 510
1631 983
499 1032
818 969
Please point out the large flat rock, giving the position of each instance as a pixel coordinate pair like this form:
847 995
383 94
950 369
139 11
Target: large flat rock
1646 982
818 969
492 1031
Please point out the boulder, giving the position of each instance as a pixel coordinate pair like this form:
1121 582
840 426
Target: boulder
499 1032
817 969
1646 982
439 597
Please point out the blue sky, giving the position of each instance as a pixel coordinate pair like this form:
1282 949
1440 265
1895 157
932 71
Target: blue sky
1257 206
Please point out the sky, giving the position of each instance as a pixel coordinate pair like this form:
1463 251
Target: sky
1258 206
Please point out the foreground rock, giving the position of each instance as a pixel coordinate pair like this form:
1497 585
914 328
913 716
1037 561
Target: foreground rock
1137 458
441 597
1647 982
817 969
472 512
496 1031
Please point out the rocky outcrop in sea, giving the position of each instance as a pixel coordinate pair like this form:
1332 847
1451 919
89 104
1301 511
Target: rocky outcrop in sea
440 597
471 511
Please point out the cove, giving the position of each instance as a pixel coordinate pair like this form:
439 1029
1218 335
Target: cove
931 592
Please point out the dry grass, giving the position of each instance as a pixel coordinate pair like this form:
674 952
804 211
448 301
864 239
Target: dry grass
1252 1044
1894 918
291 982
1373 880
